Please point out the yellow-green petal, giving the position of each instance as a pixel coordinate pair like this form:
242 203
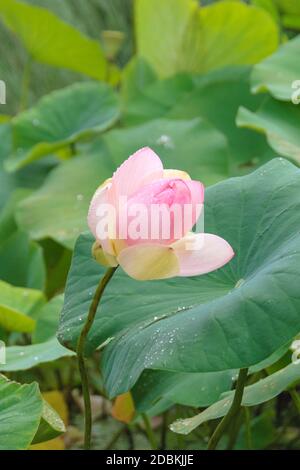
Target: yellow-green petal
147 262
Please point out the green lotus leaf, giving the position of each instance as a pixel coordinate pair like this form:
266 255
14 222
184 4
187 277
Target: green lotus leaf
279 122
277 73
23 401
60 119
202 39
18 306
50 40
26 357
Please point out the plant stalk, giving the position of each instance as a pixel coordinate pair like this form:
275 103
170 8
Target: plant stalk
149 432
233 411
81 359
296 399
248 434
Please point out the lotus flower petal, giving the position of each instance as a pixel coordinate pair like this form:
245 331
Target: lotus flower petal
141 168
146 262
201 253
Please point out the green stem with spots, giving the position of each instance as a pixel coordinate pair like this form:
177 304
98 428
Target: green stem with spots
233 411
81 358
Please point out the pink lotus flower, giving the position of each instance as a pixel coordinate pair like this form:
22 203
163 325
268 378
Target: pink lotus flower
141 182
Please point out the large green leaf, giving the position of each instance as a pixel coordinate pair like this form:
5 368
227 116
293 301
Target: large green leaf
59 209
192 39
20 412
279 122
60 119
25 417
17 306
52 41
277 73
260 392
26 357
228 319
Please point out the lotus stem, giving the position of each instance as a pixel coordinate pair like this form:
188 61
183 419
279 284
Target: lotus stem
81 358
233 411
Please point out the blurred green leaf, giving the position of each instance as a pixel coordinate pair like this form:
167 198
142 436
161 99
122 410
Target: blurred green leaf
279 122
269 6
36 420
186 38
58 261
52 41
289 6
21 262
8 225
291 21
26 357
27 178
217 98
156 99
277 73
17 305
23 402
60 119
136 76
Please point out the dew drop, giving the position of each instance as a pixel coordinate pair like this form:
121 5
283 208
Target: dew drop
165 141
